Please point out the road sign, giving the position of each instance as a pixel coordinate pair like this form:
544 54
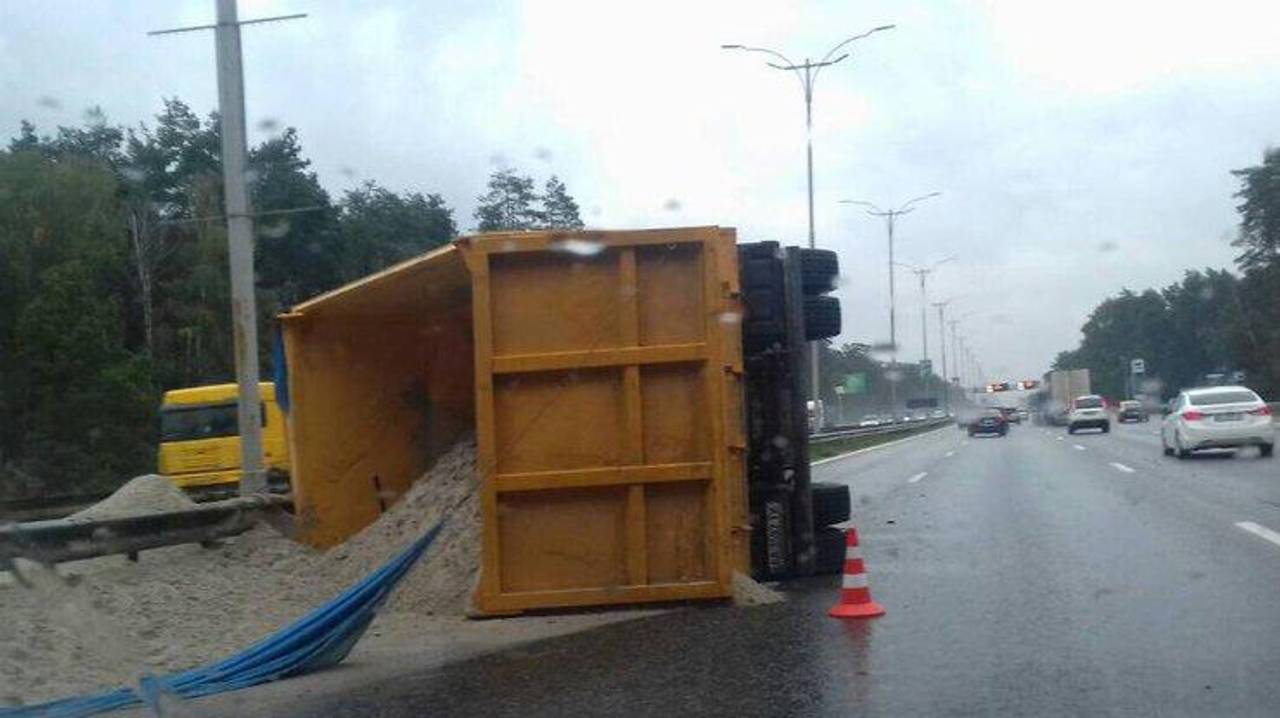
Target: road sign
840 390
1137 366
855 383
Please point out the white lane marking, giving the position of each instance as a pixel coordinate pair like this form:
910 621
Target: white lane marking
1122 467
950 454
1077 447
1261 532
1059 438
917 477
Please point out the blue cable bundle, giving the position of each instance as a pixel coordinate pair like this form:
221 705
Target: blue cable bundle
318 640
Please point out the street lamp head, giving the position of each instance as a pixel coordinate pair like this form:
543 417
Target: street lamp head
871 208
913 200
730 47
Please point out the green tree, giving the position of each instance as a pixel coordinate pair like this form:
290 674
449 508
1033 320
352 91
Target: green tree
89 401
510 204
295 252
77 402
379 228
114 286
1259 212
559 210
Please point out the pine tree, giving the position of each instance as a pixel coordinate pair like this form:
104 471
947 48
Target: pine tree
510 203
559 210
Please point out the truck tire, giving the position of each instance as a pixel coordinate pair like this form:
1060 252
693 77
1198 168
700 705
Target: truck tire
819 269
760 272
829 545
821 317
831 504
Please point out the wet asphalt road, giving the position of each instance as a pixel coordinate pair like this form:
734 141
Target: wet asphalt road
1039 574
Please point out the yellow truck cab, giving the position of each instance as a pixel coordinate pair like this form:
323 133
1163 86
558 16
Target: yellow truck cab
200 440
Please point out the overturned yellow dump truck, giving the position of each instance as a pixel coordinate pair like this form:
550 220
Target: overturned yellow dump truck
600 373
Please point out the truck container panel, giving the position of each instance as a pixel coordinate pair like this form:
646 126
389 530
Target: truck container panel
601 375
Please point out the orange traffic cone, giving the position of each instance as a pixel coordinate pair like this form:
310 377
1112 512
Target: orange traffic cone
855 597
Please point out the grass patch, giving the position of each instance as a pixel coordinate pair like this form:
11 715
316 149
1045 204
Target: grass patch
827 449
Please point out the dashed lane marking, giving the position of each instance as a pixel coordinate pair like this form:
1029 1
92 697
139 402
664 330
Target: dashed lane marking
917 477
1121 467
950 454
1077 447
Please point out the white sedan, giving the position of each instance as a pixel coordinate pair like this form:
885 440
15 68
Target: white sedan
1217 417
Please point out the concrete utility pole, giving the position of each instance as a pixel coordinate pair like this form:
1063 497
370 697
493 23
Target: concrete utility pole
235 161
244 307
807 73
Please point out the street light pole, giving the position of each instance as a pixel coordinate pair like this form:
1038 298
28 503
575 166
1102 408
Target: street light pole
942 345
955 349
807 73
890 216
922 273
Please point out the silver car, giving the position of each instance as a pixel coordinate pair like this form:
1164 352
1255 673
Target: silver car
1217 417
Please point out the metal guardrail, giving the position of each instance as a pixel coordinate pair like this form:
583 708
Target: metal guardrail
62 540
834 435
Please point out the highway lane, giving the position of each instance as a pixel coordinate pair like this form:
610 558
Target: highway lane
1225 483
1022 576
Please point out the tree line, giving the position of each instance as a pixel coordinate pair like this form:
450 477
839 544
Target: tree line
114 283
1211 322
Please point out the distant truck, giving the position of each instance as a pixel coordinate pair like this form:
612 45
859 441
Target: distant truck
1063 385
200 440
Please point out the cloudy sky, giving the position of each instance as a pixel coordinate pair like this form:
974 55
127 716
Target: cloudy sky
1079 147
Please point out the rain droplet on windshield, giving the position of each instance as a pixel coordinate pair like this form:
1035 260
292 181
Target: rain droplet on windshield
542 153
577 247
95 116
1107 247
671 205
274 229
881 351
268 124
51 103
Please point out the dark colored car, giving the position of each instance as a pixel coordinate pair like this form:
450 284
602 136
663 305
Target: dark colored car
989 421
1131 411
